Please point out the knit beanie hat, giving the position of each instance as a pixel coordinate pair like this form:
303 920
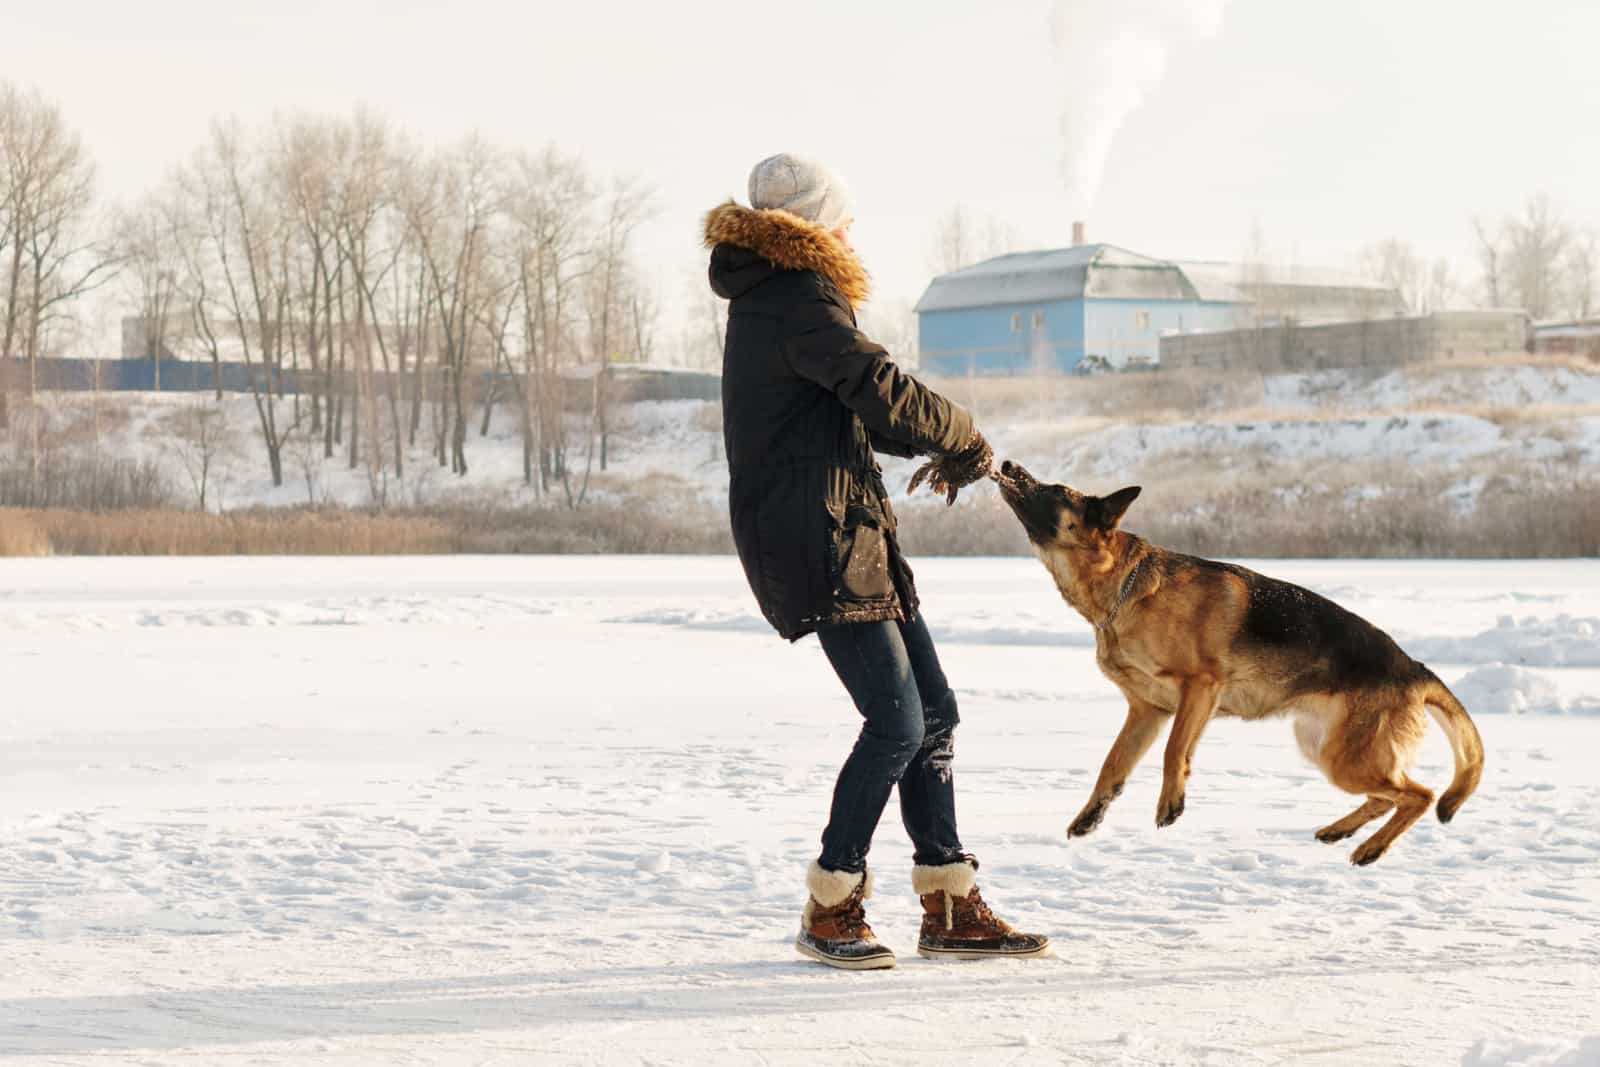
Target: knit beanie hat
802 187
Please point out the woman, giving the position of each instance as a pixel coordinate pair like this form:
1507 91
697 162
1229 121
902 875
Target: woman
806 400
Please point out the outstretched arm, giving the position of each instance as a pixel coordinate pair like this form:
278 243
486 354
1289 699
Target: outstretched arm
825 347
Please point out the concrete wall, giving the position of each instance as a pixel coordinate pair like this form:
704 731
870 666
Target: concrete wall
1372 343
1581 338
1001 339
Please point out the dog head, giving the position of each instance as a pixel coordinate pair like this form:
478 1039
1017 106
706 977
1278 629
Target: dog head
1058 516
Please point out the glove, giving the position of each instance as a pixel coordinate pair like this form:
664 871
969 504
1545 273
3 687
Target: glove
955 471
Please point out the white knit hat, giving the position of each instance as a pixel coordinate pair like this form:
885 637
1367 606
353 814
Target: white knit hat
802 187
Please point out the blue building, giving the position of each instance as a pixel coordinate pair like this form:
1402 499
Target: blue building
1044 312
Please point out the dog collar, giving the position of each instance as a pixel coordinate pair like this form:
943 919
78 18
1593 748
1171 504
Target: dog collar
1122 594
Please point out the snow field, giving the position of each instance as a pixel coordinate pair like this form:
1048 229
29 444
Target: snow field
521 810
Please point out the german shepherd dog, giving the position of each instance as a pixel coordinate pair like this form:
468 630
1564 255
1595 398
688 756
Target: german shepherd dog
1190 639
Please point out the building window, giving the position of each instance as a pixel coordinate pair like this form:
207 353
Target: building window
1141 320
1038 320
1016 322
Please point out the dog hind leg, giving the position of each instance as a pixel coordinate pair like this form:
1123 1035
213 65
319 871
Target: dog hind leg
1411 802
1367 752
1343 828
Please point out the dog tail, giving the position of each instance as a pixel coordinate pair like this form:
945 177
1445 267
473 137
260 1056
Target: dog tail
1464 742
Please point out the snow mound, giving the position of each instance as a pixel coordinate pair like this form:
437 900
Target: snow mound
1562 641
1491 386
1503 689
714 619
1421 438
1022 632
1517 1052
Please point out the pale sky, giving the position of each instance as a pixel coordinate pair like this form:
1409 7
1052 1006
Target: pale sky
1330 125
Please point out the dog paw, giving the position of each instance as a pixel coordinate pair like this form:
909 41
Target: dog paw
1328 835
1168 812
1087 820
1366 854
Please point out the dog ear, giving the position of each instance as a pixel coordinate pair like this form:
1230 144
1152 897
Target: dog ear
1111 508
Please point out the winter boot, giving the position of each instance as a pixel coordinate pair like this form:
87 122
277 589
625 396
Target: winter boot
833 928
957 924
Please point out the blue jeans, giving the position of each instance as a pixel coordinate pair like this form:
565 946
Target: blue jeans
892 672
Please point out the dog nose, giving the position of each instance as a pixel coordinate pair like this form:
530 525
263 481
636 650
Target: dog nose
1007 468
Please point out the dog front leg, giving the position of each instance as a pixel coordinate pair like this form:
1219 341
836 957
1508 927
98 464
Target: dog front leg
1199 700
1138 734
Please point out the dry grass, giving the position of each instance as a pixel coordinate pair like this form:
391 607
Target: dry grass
1546 521
22 535
189 533
1579 363
649 520
1410 519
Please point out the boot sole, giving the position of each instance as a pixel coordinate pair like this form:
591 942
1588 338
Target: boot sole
847 963
981 954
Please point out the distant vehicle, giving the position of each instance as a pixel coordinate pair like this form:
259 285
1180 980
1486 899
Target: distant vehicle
1092 365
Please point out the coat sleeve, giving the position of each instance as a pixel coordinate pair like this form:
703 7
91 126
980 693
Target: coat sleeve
824 346
888 446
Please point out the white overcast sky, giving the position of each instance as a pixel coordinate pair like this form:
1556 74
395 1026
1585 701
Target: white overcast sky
1330 125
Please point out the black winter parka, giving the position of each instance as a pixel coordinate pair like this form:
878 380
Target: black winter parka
806 399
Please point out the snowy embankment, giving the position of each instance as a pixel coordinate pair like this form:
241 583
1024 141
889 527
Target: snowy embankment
557 811
1457 426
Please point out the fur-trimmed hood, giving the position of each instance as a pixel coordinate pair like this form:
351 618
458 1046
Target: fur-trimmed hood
790 243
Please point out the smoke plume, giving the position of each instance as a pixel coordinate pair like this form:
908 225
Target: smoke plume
1112 53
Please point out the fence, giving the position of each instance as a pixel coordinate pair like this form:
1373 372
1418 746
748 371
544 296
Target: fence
625 383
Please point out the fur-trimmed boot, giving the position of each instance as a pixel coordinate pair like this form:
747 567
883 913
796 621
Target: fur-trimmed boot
833 928
957 924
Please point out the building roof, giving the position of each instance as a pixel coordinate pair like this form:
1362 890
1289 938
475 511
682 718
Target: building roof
1232 282
1106 272
1568 328
1099 271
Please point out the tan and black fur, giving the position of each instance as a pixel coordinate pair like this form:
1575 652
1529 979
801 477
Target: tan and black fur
1188 639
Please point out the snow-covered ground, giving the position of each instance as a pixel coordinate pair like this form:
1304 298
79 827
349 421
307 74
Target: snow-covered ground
521 810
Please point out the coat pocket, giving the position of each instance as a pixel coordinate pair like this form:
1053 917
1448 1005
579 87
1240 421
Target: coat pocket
860 557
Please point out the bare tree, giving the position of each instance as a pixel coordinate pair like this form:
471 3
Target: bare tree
371 243
1440 289
961 238
199 436
1488 239
607 298
450 203
893 324
1396 264
249 246
644 314
305 168
1538 242
1583 274
55 254
150 240
550 207
1531 259
707 327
